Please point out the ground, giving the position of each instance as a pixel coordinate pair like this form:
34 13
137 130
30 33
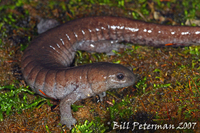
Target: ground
167 91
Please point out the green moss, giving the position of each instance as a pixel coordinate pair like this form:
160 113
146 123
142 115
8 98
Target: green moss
16 99
75 107
122 110
141 86
89 127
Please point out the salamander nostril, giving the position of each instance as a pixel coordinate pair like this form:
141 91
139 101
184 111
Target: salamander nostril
120 76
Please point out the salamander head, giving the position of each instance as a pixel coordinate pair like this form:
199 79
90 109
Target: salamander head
104 76
120 76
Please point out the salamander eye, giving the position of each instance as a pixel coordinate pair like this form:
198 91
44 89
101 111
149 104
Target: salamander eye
120 76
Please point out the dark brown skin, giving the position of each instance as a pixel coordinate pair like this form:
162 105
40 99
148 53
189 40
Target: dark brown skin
46 60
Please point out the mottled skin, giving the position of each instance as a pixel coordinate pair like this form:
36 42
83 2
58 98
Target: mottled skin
45 62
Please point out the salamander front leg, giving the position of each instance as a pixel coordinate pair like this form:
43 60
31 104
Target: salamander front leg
65 109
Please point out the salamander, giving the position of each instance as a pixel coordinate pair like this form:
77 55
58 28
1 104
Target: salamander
46 61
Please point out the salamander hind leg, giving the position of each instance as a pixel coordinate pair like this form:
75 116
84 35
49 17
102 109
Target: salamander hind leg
116 46
101 46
